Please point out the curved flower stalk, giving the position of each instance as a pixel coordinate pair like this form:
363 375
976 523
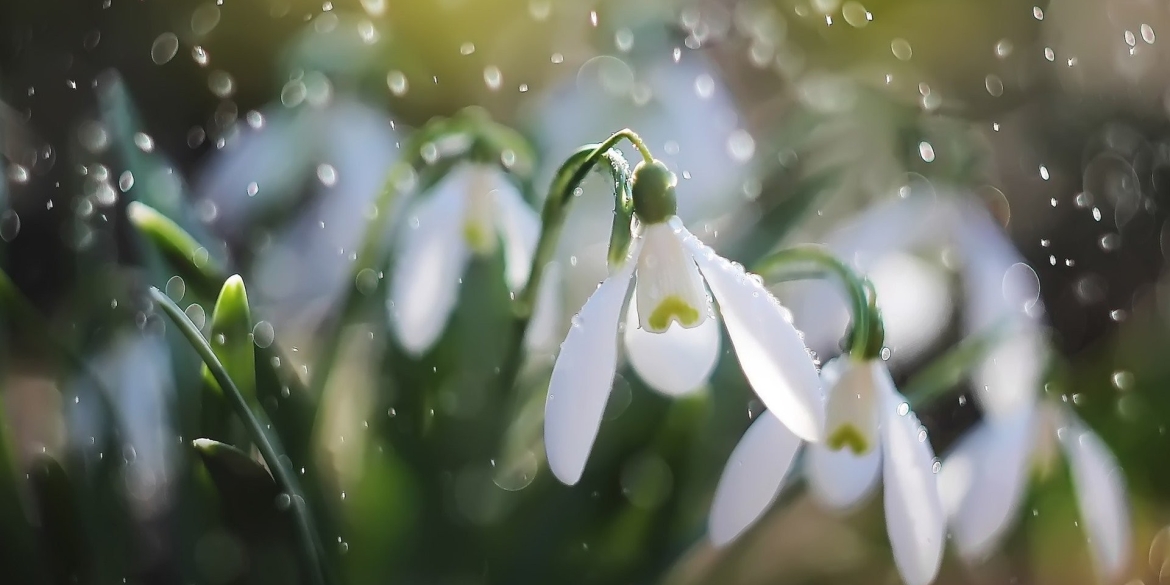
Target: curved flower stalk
666 269
471 211
871 432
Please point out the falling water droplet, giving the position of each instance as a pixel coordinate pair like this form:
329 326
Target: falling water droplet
396 81
493 77
221 84
263 334
9 225
164 48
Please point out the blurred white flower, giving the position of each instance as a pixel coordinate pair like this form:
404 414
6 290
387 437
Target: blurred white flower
677 344
870 427
470 210
328 162
983 480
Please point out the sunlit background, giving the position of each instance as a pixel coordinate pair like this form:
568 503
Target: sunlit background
267 129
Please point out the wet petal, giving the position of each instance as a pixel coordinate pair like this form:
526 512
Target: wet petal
676 362
770 351
431 258
844 469
519 226
983 479
841 479
1100 488
669 288
583 377
752 478
914 516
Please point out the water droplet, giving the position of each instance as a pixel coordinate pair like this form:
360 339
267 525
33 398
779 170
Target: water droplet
396 81
741 146
1122 380
466 48
926 151
252 189
704 86
1109 242
1038 13
623 39
936 467
255 119
1004 48
9 225
517 473
1044 173
1130 38
221 84
1147 34
374 7
293 93
855 14
197 315
204 19
126 181
540 9
886 353
901 49
1049 54
263 334
200 56
327 175
493 77
144 142
283 502
176 289
994 85
904 409
366 281
164 48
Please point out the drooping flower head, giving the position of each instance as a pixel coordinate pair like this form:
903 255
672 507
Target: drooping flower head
675 343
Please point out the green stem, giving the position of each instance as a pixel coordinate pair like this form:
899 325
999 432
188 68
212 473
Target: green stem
827 263
277 463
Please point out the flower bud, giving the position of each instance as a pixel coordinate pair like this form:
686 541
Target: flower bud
653 192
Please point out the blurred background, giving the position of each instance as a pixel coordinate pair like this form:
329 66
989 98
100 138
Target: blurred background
266 129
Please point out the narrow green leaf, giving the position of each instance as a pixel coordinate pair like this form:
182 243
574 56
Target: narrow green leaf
193 261
231 339
233 471
61 529
277 461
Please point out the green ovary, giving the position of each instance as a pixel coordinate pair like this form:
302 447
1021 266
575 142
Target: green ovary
848 436
673 307
479 237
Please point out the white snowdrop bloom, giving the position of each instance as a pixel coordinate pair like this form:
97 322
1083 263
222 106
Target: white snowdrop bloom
470 211
870 433
984 478
674 345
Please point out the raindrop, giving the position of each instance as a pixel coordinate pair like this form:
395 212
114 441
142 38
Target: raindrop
901 49
9 225
126 181
926 151
493 77
252 189
263 334
195 136
1037 13
93 136
516 474
144 142
283 502
221 84
1130 38
374 7
466 48
164 48
704 86
18 173
91 39
540 9
1109 242
327 175
855 14
1122 380
176 288
1049 54
1147 34
366 281
293 93
886 353
204 19
1004 48
255 119
396 81
1044 173
623 39
904 409
200 56
994 85
741 146
197 315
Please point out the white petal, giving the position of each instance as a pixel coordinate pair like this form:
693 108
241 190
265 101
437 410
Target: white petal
770 351
1009 379
676 362
519 225
752 478
982 482
669 288
1100 488
914 516
431 258
841 478
583 377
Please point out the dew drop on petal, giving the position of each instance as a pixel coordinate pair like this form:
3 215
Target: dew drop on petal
164 48
904 409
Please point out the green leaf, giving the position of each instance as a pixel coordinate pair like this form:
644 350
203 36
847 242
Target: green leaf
194 262
231 339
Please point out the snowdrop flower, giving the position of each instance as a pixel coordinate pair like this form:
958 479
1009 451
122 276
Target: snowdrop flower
674 345
871 432
471 210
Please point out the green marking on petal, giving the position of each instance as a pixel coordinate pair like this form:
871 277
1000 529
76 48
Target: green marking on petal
479 237
673 308
848 436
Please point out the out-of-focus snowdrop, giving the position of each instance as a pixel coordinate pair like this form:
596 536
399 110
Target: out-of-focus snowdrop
681 109
870 432
135 371
335 156
675 343
471 210
983 479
